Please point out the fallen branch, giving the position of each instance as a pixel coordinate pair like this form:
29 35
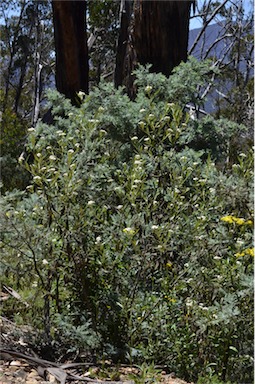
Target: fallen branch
55 369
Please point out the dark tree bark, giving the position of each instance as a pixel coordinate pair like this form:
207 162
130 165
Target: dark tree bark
71 48
158 35
125 15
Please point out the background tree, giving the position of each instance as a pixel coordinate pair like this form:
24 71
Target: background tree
103 30
26 71
229 42
71 47
157 34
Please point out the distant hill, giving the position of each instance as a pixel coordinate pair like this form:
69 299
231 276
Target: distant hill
211 34
212 44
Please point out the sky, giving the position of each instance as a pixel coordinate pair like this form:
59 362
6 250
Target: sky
196 22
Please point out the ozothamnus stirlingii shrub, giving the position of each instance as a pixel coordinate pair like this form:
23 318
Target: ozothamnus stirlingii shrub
144 235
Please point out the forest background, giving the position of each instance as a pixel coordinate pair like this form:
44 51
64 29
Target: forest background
126 219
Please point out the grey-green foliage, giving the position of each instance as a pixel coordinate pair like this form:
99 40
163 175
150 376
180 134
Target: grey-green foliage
128 232
185 85
220 138
79 336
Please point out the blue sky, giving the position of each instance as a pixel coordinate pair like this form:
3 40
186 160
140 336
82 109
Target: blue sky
196 22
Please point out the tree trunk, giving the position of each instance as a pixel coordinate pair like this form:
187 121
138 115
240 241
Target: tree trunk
125 14
71 48
158 35
161 33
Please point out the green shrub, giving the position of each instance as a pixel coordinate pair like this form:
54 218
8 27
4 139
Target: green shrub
145 236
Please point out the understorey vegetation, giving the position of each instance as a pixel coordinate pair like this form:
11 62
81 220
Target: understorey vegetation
132 240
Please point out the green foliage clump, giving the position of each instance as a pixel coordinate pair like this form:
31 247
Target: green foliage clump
185 85
127 223
12 140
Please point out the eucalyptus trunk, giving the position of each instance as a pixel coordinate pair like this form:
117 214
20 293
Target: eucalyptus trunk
71 48
157 35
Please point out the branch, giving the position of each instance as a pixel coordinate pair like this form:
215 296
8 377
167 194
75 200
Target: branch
206 24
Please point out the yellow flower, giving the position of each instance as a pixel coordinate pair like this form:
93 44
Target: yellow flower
249 222
169 265
227 219
240 254
172 300
232 219
238 221
248 251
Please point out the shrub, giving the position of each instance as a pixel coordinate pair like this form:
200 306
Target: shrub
145 236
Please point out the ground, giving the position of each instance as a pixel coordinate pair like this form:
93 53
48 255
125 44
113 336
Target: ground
20 364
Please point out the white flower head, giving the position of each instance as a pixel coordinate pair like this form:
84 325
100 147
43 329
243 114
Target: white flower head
81 95
129 230
60 133
91 202
148 88
52 157
98 240
37 178
141 124
21 158
189 302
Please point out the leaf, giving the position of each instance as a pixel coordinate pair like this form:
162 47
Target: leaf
59 374
15 294
233 348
